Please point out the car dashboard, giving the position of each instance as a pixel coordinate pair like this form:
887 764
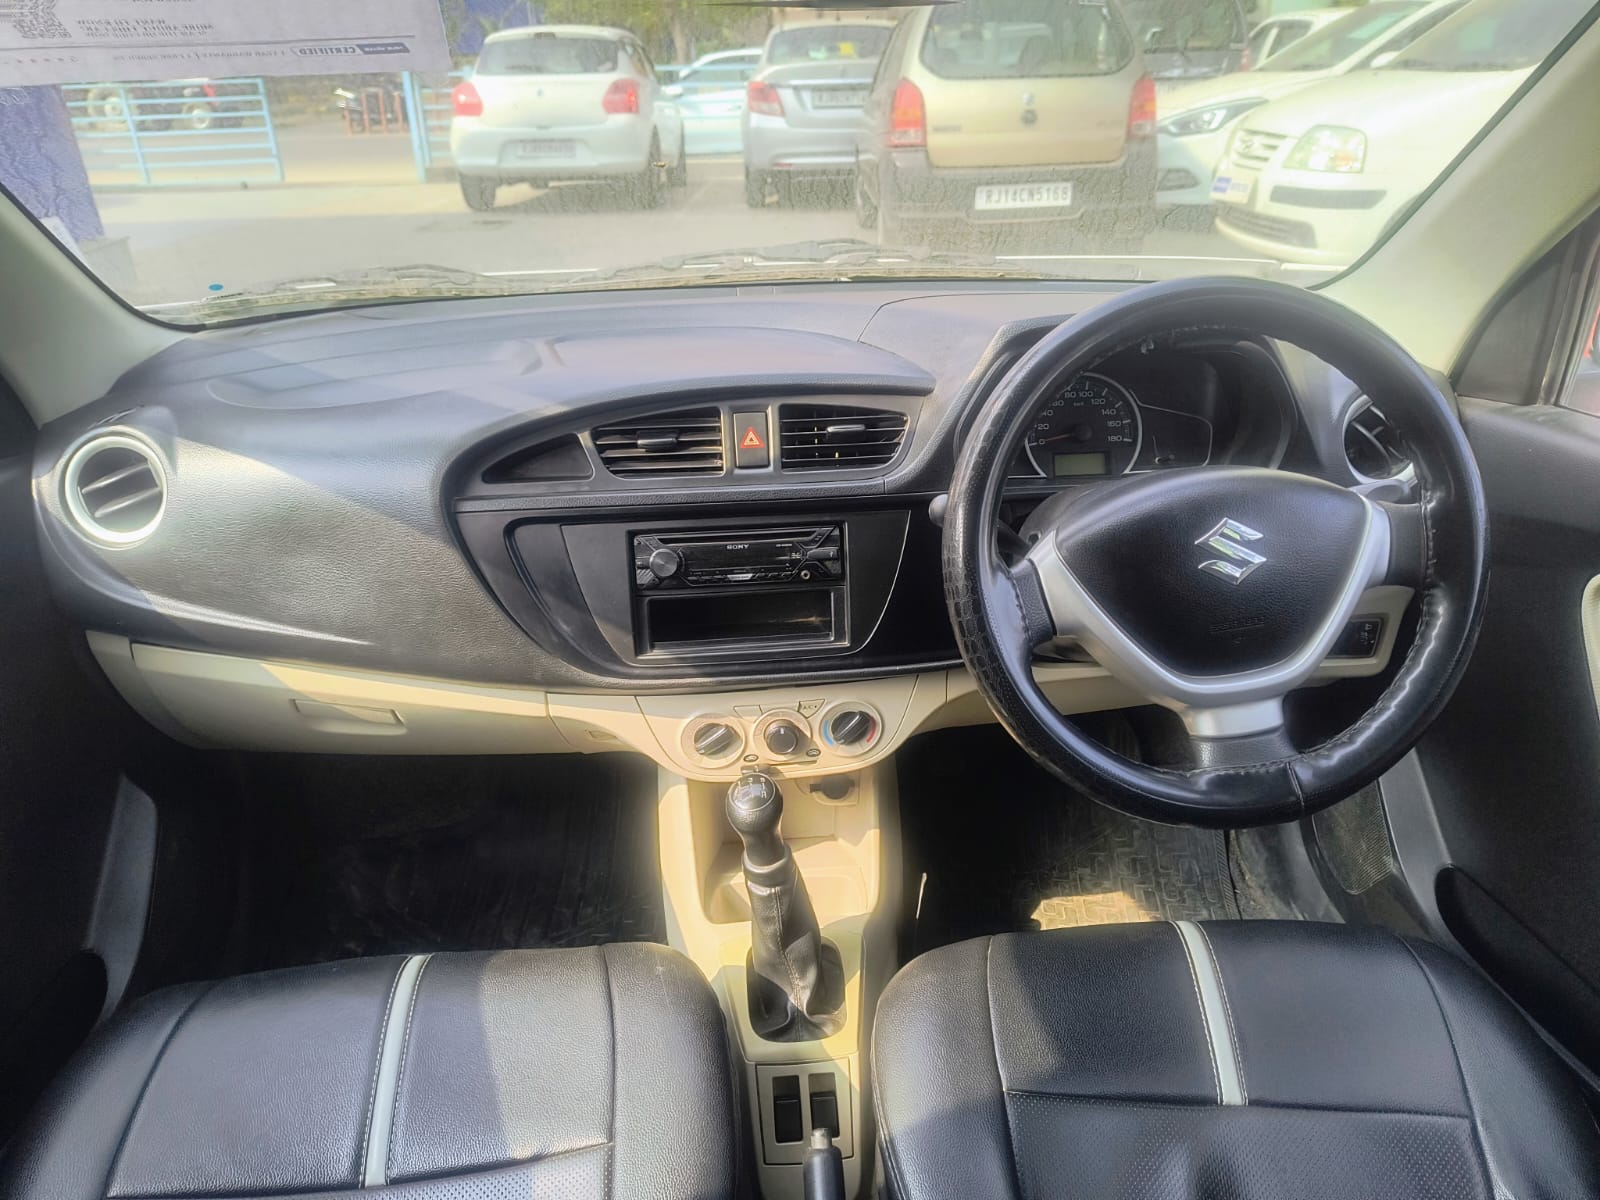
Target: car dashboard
423 527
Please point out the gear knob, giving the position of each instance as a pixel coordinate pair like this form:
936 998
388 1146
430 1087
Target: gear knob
755 808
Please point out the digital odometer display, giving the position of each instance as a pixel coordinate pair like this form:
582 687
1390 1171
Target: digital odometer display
1094 462
1091 427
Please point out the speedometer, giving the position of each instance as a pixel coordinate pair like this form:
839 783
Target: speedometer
1091 427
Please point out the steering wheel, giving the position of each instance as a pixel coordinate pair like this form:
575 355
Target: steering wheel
1215 591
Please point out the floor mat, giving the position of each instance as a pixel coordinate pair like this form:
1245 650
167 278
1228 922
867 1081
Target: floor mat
994 844
360 857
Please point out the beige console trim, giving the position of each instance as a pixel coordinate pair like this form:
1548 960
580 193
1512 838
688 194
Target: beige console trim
848 859
224 700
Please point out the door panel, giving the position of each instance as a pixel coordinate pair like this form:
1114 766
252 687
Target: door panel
1514 762
60 744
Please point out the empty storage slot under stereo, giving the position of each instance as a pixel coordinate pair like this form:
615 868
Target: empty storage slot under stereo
697 621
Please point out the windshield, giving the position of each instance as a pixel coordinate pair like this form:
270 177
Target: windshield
211 161
1348 36
827 44
1187 24
1025 39
1493 35
547 56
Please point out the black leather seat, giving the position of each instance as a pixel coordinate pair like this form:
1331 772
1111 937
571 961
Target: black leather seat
1230 1061
563 1073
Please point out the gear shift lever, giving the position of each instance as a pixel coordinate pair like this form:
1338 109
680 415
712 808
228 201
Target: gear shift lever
796 978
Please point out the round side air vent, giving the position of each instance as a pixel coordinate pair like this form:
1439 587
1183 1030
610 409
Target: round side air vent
116 489
1372 445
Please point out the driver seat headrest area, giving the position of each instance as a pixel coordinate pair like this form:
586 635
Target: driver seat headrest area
579 1073
1255 1060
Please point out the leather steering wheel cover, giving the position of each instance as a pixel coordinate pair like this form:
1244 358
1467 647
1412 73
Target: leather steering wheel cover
989 621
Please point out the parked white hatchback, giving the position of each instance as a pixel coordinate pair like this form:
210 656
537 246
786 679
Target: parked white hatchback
1320 177
1197 118
565 103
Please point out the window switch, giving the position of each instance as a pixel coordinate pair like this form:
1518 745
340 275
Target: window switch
788 1122
824 1103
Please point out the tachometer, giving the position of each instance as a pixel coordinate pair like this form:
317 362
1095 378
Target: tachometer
1091 427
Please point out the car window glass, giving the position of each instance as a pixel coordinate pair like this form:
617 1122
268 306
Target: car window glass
1411 33
1493 35
827 43
548 56
1025 39
1188 24
1332 44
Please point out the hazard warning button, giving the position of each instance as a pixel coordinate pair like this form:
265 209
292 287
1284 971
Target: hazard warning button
750 447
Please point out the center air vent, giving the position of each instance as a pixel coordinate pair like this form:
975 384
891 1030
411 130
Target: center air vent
826 437
677 443
115 488
1373 446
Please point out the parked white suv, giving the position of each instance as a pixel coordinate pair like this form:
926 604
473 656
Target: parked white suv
563 103
1319 177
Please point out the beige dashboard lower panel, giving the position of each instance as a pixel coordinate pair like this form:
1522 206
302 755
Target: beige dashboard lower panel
223 700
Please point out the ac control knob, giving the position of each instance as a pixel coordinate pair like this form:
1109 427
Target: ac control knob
664 562
783 738
715 740
850 727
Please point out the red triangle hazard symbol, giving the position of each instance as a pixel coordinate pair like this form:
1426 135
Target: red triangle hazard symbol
752 440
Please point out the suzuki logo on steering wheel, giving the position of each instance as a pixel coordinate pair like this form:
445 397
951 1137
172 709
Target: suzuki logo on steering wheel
1228 539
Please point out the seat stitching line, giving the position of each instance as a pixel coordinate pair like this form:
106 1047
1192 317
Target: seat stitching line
377 1063
1495 1186
994 1044
611 1131
1227 1008
1273 1106
144 1088
405 1054
1205 1022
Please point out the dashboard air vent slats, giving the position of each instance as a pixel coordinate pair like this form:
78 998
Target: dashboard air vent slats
115 489
822 437
1373 446
676 443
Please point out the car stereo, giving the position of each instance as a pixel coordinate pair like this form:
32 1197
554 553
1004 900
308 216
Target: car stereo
738 558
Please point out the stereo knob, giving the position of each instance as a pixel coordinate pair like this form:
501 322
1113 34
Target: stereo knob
715 740
664 562
783 738
850 727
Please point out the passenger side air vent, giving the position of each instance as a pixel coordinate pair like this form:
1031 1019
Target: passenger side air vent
1372 445
825 437
677 443
116 490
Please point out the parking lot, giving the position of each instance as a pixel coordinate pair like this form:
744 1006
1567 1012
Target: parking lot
355 203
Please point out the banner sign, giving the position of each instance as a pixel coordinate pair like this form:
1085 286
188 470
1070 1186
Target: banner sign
78 41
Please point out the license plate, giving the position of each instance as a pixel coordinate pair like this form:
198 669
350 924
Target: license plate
541 149
1228 190
1023 195
838 97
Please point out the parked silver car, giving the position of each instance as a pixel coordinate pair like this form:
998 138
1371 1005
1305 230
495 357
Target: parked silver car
559 103
802 107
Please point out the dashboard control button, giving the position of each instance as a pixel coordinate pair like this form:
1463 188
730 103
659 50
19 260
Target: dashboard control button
782 738
716 739
809 708
664 562
850 727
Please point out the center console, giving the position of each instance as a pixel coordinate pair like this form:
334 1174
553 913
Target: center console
810 1072
772 590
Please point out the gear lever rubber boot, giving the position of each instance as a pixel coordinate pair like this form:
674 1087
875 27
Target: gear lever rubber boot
796 978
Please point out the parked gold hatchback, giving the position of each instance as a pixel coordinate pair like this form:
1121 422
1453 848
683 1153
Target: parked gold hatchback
1008 114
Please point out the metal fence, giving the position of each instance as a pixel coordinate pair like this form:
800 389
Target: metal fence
175 132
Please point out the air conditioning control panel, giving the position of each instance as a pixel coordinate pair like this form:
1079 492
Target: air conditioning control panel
810 733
